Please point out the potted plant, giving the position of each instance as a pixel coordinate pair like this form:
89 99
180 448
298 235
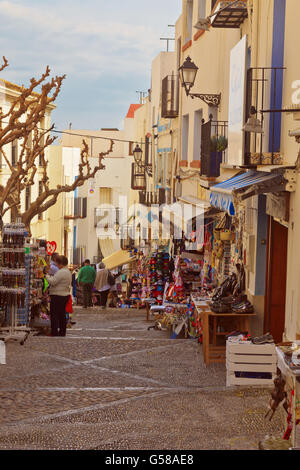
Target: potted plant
218 145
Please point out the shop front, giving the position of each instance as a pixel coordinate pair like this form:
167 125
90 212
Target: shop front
259 201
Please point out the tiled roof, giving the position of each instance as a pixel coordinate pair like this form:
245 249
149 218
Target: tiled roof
132 110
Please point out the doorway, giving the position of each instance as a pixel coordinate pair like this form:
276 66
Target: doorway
275 298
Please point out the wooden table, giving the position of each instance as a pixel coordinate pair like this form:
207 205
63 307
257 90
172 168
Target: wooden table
212 352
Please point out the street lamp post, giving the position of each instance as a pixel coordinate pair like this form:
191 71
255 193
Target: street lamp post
188 73
138 158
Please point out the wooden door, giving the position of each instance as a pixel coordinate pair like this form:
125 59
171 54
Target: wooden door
275 298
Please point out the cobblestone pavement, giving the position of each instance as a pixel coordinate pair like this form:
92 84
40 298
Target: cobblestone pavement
111 384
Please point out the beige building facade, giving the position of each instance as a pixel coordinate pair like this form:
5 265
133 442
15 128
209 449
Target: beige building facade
49 225
261 45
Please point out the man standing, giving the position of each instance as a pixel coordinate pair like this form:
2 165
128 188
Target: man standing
86 279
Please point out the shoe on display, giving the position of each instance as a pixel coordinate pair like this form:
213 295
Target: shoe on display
264 339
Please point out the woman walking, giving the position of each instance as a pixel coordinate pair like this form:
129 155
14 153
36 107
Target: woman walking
60 287
102 284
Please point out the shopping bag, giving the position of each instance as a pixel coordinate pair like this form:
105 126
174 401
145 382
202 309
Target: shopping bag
69 306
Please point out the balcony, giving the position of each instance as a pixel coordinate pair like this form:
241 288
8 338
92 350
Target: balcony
263 102
231 17
138 177
170 97
148 198
214 144
75 208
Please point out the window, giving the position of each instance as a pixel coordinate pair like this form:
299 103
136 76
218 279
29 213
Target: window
105 196
168 169
147 154
159 169
40 160
197 135
130 148
29 141
14 153
42 143
185 137
164 169
84 208
41 215
27 197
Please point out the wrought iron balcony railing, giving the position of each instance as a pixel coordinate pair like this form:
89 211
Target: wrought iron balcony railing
214 144
225 15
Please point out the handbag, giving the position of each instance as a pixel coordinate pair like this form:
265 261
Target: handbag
69 306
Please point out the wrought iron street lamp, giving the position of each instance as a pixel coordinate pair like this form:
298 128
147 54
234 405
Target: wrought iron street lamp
138 158
138 155
188 73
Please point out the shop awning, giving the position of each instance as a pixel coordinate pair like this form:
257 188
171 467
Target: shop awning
244 186
194 201
119 258
108 246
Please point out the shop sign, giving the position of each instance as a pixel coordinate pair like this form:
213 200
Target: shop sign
237 102
51 248
278 206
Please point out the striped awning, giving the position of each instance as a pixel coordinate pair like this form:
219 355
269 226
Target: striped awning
119 258
247 185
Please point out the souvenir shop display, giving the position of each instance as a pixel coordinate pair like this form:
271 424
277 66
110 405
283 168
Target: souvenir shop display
39 302
136 288
23 286
157 275
229 297
288 355
14 281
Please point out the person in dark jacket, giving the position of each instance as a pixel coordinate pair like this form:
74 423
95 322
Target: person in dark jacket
86 279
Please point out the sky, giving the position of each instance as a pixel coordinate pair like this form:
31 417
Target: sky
105 47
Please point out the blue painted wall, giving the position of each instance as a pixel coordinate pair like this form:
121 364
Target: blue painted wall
277 61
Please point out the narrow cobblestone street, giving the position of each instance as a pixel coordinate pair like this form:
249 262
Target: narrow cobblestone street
111 384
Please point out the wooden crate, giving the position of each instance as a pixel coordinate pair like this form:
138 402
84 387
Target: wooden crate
2 353
250 358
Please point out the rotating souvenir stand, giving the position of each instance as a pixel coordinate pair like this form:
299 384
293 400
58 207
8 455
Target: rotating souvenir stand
14 292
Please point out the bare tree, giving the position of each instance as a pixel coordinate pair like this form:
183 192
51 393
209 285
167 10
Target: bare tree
23 122
50 195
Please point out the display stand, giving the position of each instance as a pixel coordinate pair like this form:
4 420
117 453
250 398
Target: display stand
292 378
211 351
13 290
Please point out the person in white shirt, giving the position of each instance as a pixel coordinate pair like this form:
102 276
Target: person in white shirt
60 288
102 284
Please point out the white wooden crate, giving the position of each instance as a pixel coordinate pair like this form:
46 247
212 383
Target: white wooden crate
2 352
251 358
